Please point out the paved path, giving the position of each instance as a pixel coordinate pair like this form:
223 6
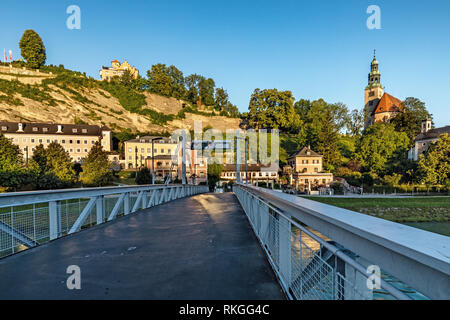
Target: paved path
193 248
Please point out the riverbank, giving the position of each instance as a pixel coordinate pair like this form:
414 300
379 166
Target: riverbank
403 210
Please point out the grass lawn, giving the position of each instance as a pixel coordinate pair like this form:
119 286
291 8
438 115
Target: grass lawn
414 209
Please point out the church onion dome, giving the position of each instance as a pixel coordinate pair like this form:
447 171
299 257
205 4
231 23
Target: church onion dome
374 61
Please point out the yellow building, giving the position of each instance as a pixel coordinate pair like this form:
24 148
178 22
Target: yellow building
306 170
117 70
139 149
77 140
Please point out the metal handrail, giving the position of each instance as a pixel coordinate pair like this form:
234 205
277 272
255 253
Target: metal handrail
338 252
418 258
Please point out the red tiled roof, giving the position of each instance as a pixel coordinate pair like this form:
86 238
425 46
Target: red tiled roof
389 103
115 61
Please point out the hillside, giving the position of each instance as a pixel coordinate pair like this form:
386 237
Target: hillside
69 97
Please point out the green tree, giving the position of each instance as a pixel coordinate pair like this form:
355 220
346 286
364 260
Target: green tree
355 122
434 164
12 172
273 109
221 99
322 122
54 167
166 81
96 168
379 145
32 49
214 171
144 176
410 121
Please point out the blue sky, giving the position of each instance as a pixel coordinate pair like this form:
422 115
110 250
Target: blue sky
316 49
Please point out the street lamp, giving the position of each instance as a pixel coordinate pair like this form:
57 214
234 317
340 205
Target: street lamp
153 158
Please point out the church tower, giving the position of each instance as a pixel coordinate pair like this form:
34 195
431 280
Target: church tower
374 90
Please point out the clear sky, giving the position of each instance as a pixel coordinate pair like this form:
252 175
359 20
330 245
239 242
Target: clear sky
316 49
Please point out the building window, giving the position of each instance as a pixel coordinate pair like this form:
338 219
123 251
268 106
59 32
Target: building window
74 130
63 141
4 128
71 150
70 141
130 150
78 150
40 140
45 129
32 140
35 129
78 141
48 140
84 130
85 142
85 150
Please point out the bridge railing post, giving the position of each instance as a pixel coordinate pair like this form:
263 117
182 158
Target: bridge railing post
126 204
100 209
54 211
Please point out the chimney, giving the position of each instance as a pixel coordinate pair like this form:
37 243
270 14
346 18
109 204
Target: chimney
426 125
20 127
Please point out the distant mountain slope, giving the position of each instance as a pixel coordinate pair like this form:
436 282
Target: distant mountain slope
68 98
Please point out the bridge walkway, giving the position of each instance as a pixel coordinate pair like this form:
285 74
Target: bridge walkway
200 247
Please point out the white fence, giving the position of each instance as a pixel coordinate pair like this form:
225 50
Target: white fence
323 252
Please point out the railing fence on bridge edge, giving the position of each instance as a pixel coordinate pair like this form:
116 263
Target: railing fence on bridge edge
28 219
309 265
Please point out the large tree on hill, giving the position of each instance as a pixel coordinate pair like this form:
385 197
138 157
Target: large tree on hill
410 121
166 81
273 109
96 168
32 49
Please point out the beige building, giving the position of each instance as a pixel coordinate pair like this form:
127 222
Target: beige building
380 106
117 70
139 149
425 139
77 140
305 169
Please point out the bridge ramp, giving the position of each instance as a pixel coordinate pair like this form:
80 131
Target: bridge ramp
193 248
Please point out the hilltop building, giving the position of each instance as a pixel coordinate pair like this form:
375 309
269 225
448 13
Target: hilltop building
117 70
305 169
77 140
380 106
425 139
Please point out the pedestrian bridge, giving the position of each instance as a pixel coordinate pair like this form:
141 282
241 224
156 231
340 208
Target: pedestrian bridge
181 242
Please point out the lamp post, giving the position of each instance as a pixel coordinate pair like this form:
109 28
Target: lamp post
153 158
238 156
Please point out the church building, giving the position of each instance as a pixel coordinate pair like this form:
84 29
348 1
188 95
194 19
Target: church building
379 105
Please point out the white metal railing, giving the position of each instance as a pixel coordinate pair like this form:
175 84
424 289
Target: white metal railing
30 218
323 252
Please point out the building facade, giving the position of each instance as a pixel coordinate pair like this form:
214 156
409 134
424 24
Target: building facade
139 149
77 140
117 70
305 170
379 105
255 173
425 139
